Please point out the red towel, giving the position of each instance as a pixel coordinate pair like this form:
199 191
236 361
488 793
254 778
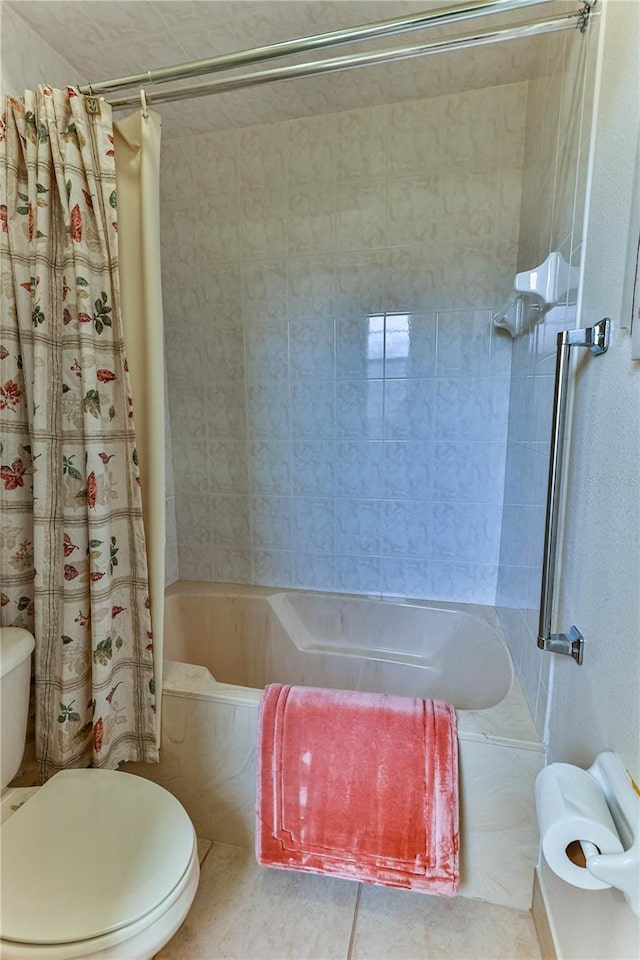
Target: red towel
359 785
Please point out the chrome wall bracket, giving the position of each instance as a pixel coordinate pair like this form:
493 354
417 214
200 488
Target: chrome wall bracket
569 644
596 338
584 14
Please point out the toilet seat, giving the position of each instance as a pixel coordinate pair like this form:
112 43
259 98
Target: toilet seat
94 858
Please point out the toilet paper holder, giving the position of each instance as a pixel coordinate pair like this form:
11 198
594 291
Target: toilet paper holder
620 870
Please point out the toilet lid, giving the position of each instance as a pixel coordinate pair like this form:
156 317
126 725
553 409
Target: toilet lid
90 852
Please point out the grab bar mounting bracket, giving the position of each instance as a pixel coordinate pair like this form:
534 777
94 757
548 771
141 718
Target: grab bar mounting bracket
595 337
569 644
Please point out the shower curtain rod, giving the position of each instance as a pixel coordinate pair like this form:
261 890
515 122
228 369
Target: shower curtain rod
274 51
339 64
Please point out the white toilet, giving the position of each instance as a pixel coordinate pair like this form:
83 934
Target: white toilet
96 863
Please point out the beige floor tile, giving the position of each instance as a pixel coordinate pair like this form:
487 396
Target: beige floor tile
203 848
398 925
246 912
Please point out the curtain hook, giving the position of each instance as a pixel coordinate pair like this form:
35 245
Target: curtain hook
143 100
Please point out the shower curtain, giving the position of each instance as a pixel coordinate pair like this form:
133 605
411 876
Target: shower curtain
137 148
72 547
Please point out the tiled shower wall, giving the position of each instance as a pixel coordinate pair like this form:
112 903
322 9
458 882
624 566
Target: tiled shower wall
338 397
554 185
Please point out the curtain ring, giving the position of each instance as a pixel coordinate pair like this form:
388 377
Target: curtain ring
143 101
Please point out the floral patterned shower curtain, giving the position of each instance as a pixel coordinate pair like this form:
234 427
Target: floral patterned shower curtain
72 549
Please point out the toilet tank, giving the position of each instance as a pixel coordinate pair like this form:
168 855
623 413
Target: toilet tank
16 646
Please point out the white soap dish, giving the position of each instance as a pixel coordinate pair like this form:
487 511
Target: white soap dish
535 292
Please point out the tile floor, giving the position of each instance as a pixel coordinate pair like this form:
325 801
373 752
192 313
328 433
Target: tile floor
246 912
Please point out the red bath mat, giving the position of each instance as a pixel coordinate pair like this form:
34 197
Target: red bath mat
359 785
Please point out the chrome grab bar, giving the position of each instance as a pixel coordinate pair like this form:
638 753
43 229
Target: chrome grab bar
596 338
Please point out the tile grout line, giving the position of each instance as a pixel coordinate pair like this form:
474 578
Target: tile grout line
354 924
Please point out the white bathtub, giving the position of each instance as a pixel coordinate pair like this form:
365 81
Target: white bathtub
225 642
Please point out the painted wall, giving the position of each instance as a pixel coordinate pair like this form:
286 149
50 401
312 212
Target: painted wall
27 59
554 184
595 707
338 395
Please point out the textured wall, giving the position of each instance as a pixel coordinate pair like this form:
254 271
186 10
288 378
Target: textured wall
595 707
554 183
338 396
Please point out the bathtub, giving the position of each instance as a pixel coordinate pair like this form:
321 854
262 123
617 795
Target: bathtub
225 642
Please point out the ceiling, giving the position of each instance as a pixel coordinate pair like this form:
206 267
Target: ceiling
111 38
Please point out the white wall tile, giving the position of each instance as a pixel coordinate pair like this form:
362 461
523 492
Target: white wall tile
226 416
183 357
227 466
268 409
513 107
314 525
317 572
195 561
311 219
272 568
469 470
360 283
415 135
409 407
360 346
314 468
230 566
343 385
311 150
471 127
362 144
410 345
219 231
402 577
408 470
270 467
267 350
262 158
466 531
312 348
358 527
312 287
414 280
475 581
229 521
216 166
264 224
358 574
413 209
464 343
406 528
359 406
193 521
359 469
264 290
271 523
313 409
471 409
467 203
221 301
361 213
223 357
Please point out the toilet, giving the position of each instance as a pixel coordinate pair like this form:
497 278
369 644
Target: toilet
95 863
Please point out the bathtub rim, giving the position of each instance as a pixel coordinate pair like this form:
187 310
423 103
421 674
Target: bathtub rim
508 722
487 614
